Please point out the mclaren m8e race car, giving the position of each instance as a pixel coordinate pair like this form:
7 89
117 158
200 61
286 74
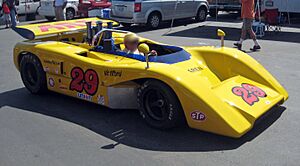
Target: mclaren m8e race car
214 89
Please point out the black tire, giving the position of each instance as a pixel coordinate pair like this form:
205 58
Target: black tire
49 18
30 17
126 25
70 13
201 14
213 12
159 105
32 74
154 20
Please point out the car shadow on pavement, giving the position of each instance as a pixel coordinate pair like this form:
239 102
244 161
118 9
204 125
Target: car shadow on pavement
126 126
233 34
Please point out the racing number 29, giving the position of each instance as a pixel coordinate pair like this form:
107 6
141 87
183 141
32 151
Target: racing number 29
81 80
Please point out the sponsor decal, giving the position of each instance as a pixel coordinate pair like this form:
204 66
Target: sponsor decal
100 100
51 82
52 62
63 87
198 116
249 93
194 69
84 96
113 73
87 81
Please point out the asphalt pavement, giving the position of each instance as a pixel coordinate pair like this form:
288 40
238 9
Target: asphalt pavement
53 129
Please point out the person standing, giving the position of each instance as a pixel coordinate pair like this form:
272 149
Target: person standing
247 16
12 9
59 6
6 13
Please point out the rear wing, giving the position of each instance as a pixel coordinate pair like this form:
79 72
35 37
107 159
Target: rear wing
31 31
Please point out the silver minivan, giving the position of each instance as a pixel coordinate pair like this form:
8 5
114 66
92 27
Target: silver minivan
152 12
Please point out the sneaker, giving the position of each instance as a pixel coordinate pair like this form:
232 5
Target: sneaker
238 45
255 48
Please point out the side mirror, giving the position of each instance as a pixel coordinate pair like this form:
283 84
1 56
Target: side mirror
221 34
144 48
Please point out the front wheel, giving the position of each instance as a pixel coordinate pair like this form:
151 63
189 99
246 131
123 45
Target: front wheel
70 14
32 74
159 105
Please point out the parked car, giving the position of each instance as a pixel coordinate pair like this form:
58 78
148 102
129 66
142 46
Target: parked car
47 9
152 12
223 5
27 7
85 6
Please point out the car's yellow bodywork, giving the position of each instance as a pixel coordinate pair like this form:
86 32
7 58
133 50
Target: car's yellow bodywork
212 86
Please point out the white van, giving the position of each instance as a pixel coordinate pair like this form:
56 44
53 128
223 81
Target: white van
284 6
27 7
152 12
47 10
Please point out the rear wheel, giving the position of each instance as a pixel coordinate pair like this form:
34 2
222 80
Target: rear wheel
30 17
154 20
126 24
49 18
32 74
213 12
201 14
159 105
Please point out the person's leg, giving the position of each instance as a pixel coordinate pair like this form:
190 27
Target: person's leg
13 17
6 20
59 13
56 13
62 15
243 36
252 35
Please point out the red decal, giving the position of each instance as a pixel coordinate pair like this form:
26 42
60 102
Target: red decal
68 25
77 79
87 81
91 82
249 93
64 25
45 28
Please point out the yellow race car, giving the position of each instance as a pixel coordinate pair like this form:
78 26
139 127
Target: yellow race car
215 89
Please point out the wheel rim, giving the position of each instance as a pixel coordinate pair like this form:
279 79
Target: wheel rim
69 15
31 74
155 104
154 21
202 15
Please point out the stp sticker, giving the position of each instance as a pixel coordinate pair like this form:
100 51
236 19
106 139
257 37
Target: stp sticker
51 82
198 116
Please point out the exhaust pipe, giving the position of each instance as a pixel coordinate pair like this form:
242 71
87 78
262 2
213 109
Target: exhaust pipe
89 32
99 26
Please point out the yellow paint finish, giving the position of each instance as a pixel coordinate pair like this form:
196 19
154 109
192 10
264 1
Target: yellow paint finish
203 83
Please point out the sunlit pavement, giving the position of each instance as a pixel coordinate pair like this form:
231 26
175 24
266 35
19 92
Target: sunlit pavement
56 130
